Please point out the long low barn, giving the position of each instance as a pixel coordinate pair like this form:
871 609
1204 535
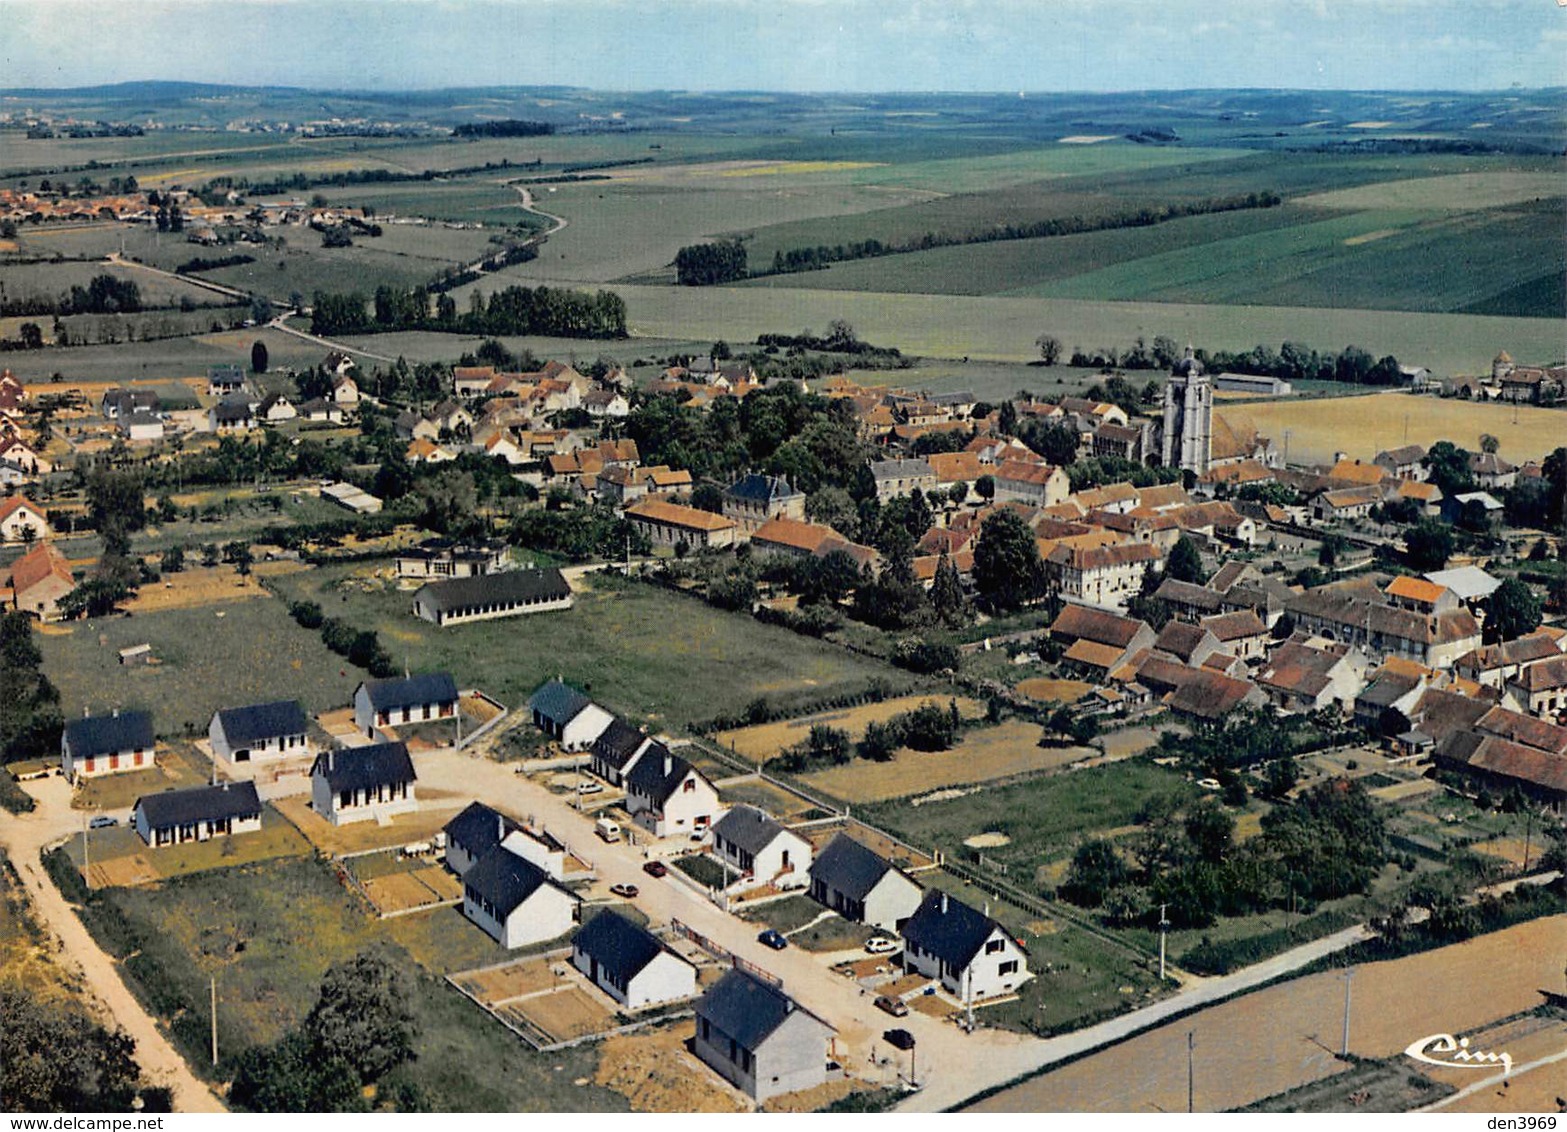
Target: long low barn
487 596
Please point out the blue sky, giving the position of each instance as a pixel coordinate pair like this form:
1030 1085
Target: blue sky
807 45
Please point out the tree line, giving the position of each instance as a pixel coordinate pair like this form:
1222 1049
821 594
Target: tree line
514 311
503 128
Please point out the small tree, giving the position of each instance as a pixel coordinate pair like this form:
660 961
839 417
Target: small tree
173 560
1185 563
1049 348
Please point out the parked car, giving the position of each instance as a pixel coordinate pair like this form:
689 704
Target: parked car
894 1006
898 1039
590 788
624 891
880 945
103 822
656 869
773 938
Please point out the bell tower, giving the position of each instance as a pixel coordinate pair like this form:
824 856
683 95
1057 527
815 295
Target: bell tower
1188 416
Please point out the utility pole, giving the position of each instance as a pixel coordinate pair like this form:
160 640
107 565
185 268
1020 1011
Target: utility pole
1191 1044
1528 832
214 993
86 856
1164 927
1349 982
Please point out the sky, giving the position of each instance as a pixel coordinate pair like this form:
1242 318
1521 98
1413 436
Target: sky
792 45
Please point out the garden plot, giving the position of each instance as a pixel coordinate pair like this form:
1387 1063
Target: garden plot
766 740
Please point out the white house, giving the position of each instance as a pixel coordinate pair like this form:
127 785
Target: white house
757 1038
198 814
363 783
630 964
22 520
106 744
514 901
859 885
616 751
261 731
761 850
276 408
141 428
567 716
539 848
473 833
667 795
972 955
413 699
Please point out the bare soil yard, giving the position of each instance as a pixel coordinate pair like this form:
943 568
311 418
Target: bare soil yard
768 739
1054 691
1009 748
1276 1039
1376 422
335 840
656 1073
195 587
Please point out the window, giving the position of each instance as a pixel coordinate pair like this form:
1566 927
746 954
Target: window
1008 968
994 946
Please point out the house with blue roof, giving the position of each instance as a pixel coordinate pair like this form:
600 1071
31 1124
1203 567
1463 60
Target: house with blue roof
260 731
760 1040
631 964
363 783
972 955
106 744
860 885
514 901
568 716
412 699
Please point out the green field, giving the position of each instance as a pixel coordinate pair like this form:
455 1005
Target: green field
242 926
52 280
1044 817
1004 329
638 650
252 653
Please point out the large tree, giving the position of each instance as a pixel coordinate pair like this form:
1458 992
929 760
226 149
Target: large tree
1428 545
362 1015
1512 611
1185 563
1008 573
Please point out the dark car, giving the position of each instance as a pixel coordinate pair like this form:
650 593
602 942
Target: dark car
656 869
773 939
894 1006
625 891
898 1039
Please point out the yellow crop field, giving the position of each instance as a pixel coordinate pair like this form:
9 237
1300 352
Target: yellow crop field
1364 426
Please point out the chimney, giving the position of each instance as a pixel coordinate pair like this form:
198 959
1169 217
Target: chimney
669 764
943 903
500 827
331 761
114 712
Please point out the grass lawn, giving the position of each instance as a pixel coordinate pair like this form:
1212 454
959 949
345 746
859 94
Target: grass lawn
1079 978
1043 817
702 869
248 927
215 656
639 650
1364 1086
789 916
276 838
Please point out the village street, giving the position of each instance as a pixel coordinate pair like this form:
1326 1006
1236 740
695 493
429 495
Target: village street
24 837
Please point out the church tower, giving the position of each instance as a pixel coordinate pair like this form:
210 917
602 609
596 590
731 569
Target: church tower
1188 416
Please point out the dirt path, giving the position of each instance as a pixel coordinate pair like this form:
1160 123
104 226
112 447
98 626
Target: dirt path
24 837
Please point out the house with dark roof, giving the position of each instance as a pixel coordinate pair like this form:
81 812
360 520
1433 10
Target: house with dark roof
755 498
971 955
1310 676
473 833
226 377
761 850
232 414
411 699
666 795
260 731
860 885
1241 633
617 749
1210 695
198 814
567 716
1541 686
488 596
514 901
1097 640
441 559
363 783
122 402
760 1040
106 744
630 963
901 477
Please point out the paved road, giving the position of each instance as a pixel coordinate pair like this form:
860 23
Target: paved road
24 837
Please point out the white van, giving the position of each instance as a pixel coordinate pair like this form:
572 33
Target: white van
608 830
